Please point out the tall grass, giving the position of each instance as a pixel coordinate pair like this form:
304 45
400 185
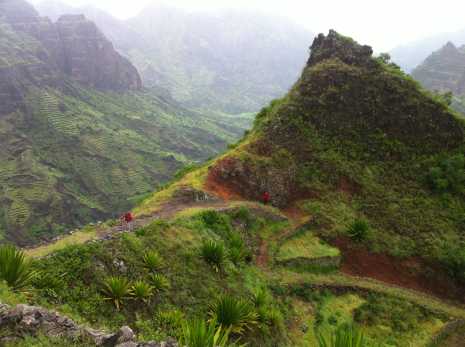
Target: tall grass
198 333
344 336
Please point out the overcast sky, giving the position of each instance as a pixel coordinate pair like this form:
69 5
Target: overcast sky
382 24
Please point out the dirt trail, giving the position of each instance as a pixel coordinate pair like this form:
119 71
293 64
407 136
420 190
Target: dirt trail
165 211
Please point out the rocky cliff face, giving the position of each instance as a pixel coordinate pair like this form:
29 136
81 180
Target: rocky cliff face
72 46
91 59
444 70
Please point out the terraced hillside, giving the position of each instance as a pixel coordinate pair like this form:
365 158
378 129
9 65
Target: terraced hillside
70 160
82 145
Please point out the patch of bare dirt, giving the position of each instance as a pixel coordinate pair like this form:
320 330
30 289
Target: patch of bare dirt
413 273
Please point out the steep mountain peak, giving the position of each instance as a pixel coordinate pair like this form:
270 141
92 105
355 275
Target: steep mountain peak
335 45
443 70
449 46
346 102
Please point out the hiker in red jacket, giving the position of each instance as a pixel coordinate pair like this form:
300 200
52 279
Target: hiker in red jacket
266 198
129 219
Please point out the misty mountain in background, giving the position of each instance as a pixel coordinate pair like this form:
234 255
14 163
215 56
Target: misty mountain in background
444 71
409 56
230 61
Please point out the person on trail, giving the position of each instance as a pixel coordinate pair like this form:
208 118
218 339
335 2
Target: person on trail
129 219
266 198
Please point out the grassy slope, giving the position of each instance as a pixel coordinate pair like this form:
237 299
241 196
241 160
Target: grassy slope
72 280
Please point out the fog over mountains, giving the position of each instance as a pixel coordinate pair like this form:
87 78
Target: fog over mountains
229 61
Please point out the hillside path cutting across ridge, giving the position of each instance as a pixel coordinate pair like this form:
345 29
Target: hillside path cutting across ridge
166 211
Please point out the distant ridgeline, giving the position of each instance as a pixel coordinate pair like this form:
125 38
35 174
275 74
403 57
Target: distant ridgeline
231 61
444 71
78 134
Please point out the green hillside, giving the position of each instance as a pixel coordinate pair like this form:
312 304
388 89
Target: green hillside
72 154
356 139
70 160
365 173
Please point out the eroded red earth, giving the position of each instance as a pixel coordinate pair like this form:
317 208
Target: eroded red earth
413 273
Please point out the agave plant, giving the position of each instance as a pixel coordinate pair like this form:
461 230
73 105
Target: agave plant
260 297
142 291
15 269
116 289
344 336
234 314
237 255
152 261
358 230
159 282
198 333
214 254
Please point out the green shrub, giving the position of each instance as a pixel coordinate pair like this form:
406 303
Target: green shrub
260 297
142 291
170 322
15 269
344 336
152 261
234 314
237 255
217 222
448 175
198 333
159 282
358 230
116 289
453 257
399 315
214 254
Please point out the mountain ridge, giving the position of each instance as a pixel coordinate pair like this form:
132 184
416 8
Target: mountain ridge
197 59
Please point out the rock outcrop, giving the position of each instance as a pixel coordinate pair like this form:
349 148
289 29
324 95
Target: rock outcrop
90 58
73 47
24 320
443 70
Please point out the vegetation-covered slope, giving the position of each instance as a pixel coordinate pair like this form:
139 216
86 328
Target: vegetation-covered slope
356 139
367 170
72 154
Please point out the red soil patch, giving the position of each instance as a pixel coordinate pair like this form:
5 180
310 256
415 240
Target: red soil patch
222 191
412 273
348 186
226 190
